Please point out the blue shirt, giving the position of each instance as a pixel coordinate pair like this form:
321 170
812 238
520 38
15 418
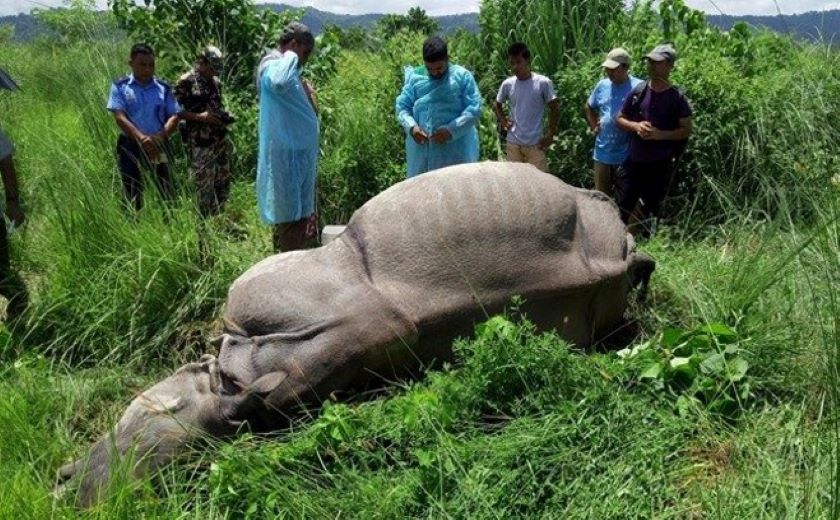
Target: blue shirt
148 106
612 144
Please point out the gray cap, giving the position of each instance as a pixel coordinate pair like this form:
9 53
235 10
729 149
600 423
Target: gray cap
663 52
616 58
213 55
298 32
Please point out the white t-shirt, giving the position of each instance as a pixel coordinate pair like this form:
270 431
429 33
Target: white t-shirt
528 99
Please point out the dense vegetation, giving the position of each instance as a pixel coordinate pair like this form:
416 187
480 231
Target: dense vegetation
725 405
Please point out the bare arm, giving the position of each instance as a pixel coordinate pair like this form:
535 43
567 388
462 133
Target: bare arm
499 110
553 121
553 117
127 126
591 118
625 124
681 133
146 142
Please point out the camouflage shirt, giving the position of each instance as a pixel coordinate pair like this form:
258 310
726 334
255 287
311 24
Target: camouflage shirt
198 94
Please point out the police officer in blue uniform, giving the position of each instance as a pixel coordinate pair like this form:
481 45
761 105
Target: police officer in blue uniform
147 113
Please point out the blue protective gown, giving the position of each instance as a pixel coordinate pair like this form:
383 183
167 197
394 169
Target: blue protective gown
452 102
288 153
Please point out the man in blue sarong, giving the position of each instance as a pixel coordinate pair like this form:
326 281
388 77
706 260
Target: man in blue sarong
288 149
438 108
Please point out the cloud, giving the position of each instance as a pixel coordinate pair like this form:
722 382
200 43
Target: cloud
742 7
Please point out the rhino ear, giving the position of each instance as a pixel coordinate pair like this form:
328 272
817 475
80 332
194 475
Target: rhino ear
267 383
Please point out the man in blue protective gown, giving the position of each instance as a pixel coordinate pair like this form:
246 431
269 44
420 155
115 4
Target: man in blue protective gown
288 149
438 108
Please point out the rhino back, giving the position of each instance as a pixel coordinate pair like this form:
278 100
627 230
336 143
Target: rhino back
473 235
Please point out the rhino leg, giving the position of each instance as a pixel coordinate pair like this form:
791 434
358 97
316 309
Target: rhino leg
153 429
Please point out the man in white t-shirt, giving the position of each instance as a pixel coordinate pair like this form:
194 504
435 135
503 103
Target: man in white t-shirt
528 93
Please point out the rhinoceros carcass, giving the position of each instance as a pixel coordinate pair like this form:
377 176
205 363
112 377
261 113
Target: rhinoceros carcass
417 266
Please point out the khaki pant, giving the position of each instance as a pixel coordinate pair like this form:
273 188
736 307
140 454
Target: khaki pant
605 177
529 154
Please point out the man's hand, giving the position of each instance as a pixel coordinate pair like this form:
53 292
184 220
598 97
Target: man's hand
656 134
441 135
15 212
505 124
545 142
208 118
420 137
644 129
150 146
310 93
595 130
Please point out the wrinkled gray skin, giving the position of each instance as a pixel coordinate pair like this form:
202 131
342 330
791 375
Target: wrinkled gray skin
418 265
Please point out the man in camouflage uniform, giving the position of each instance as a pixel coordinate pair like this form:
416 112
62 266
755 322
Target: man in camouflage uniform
204 129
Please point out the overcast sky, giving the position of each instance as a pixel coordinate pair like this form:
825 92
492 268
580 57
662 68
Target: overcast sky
439 7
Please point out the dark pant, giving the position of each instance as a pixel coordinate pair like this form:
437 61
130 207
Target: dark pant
131 160
11 285
648 182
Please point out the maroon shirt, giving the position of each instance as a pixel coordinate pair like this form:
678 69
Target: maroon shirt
664 111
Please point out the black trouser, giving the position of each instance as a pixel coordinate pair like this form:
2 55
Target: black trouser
11 284
131 159
645 181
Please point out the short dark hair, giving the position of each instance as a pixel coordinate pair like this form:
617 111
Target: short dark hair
435 49
519 49
141 48
298 32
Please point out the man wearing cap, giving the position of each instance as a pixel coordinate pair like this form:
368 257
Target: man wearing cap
602 107
288 141
147 113
658 117
11 285
438 109
204 128
528 93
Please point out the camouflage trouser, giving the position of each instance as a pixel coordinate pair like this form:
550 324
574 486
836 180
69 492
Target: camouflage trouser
211 172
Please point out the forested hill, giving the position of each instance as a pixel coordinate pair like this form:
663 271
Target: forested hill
317 19
823 25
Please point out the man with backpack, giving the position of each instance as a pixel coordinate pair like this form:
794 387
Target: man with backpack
659 119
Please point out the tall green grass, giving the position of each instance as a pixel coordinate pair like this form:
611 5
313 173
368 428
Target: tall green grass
523 426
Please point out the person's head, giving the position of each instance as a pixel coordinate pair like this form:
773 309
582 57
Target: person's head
519 59
660 61
436 56
297 38
617 65
210 62
142 62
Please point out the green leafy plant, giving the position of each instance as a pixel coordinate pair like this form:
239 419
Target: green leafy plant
700 366
178 29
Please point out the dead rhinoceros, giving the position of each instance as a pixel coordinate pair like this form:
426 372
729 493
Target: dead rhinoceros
417 266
